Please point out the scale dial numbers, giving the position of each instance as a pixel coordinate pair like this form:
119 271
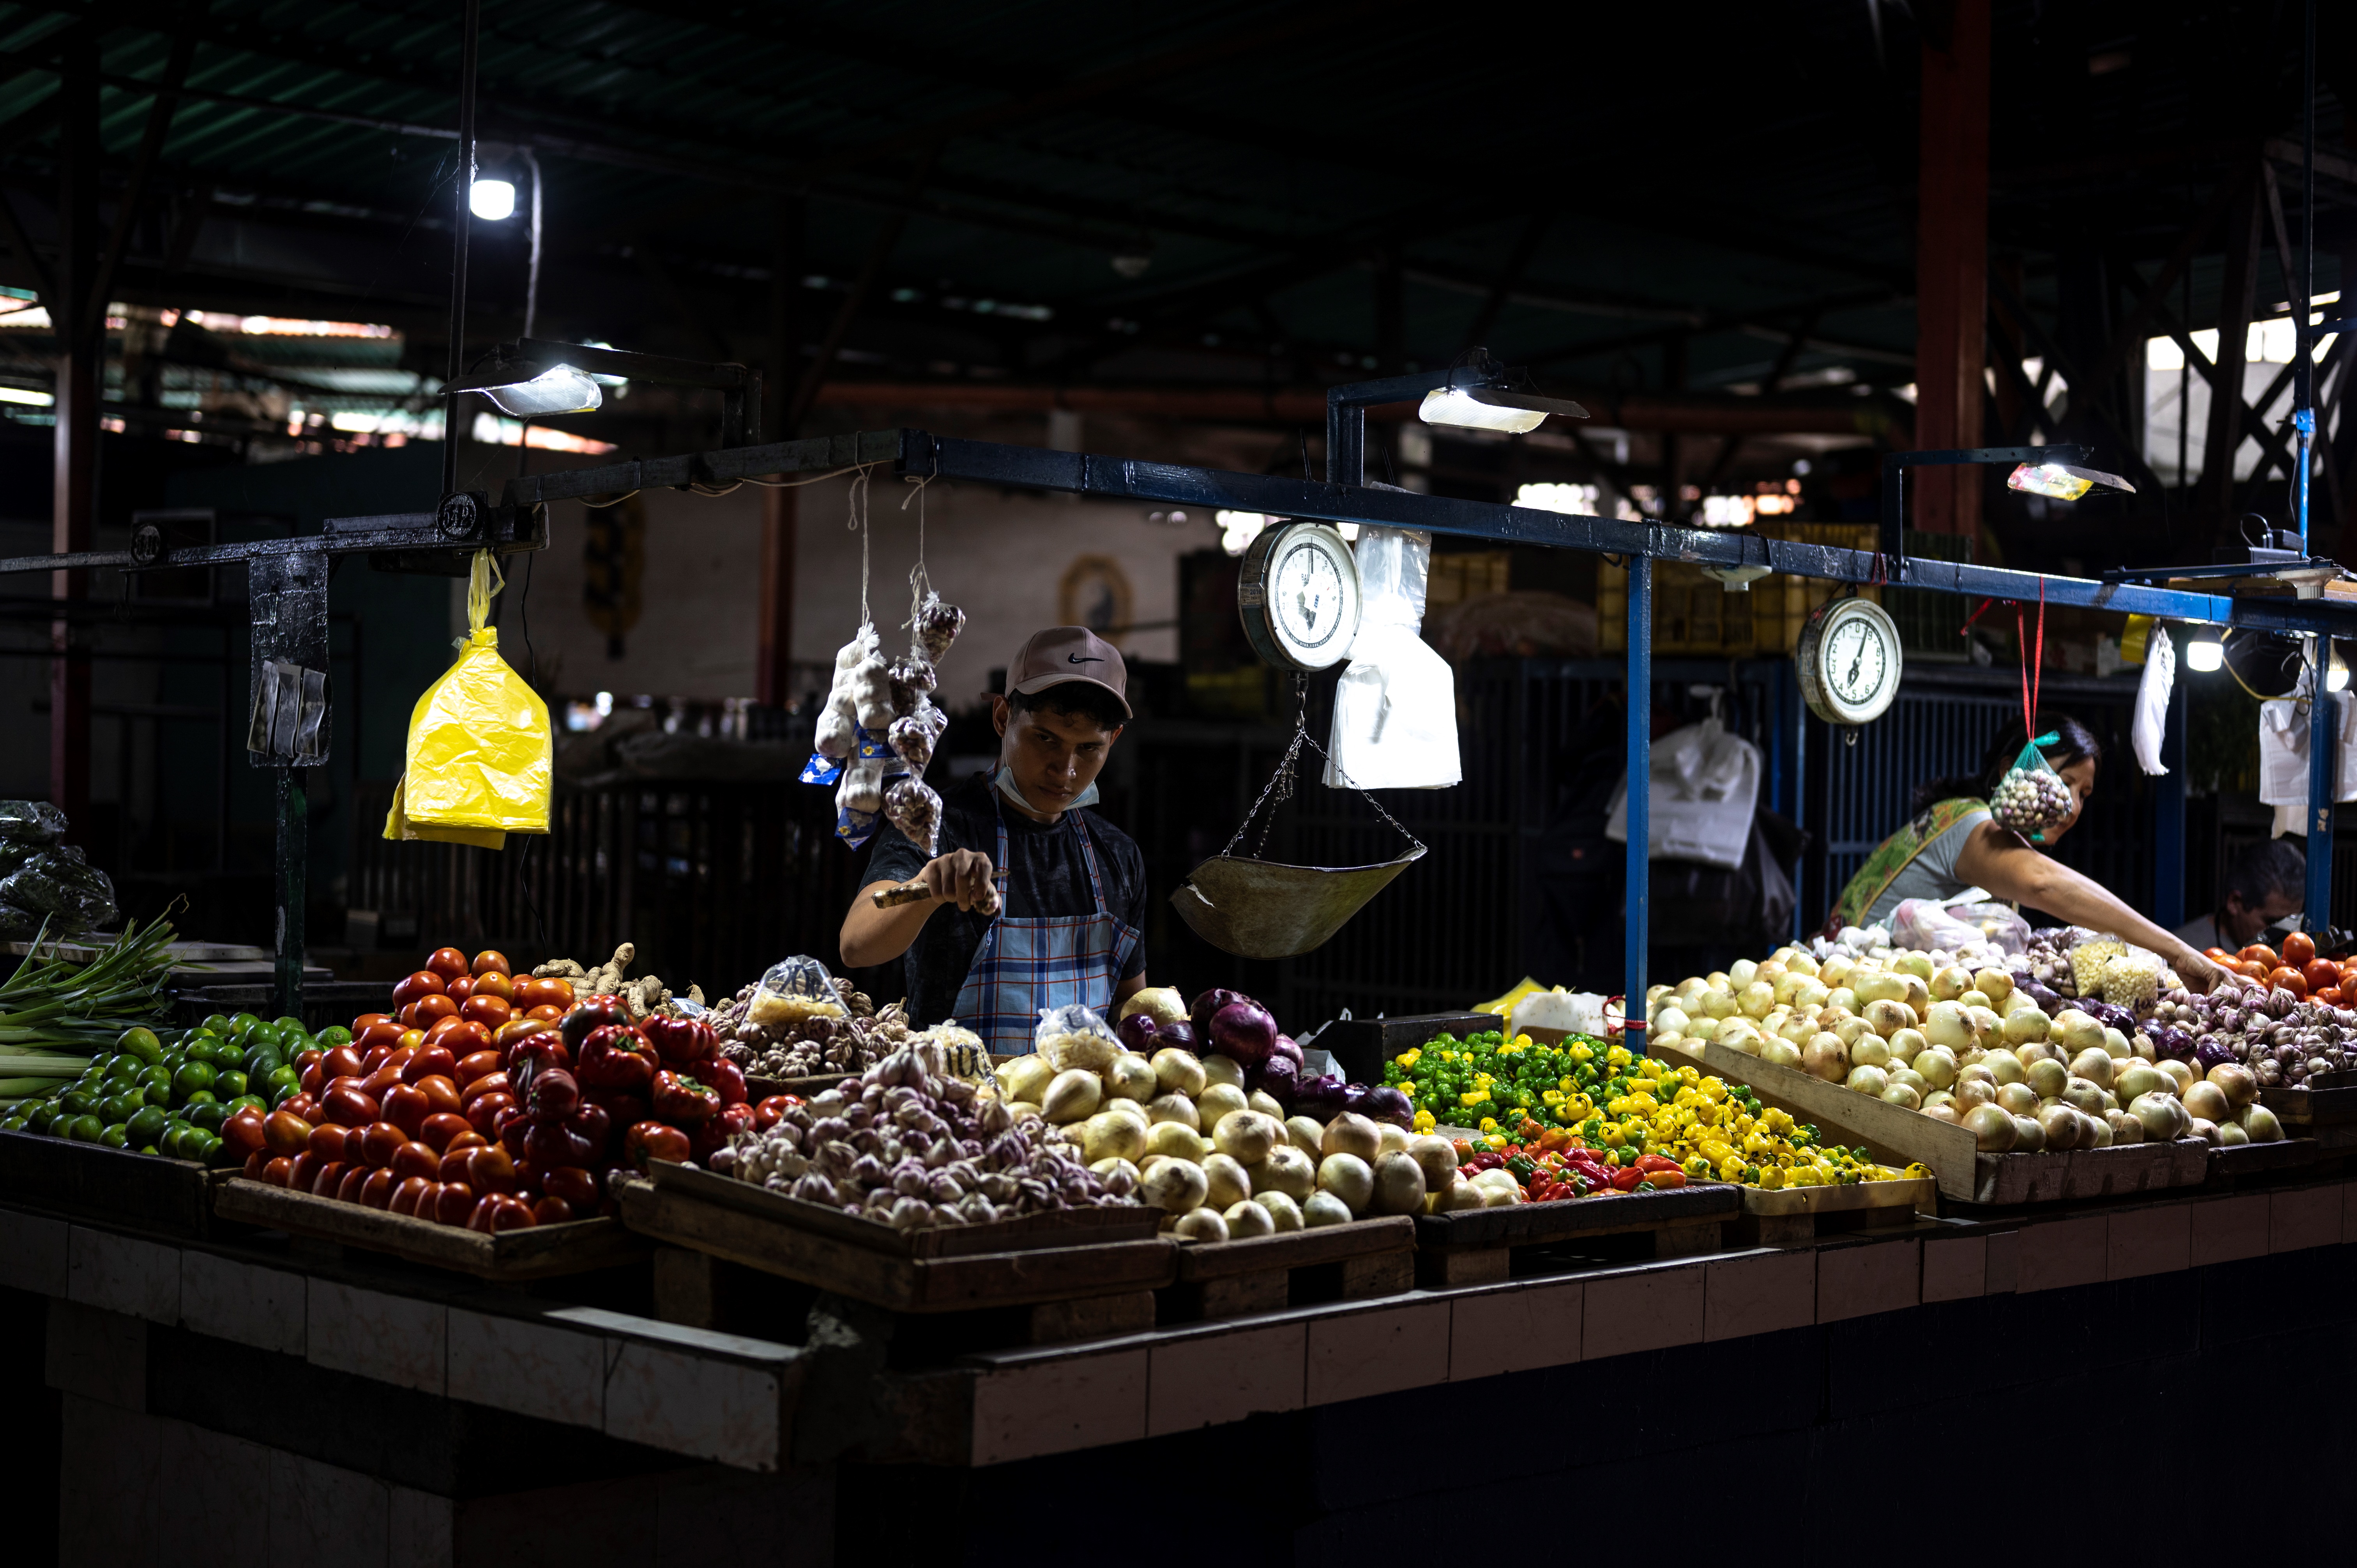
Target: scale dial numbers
1850 662
1298 595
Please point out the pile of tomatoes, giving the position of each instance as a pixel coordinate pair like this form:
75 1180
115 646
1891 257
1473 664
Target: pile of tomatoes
2296 968
494 1102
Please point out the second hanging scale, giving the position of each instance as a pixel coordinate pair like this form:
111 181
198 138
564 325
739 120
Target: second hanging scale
1300 599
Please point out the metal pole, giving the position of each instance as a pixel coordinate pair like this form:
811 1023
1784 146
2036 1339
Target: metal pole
1639 690
293 874
461 227
2323 730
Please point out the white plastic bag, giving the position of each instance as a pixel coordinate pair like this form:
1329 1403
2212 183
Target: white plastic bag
1396 705
1706 787
2151 719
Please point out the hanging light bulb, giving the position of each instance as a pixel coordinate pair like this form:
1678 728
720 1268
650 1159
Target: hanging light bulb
2205 654
492 200
2336 675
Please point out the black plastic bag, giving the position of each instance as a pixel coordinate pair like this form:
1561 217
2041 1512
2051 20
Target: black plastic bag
18 925
31 822
63 883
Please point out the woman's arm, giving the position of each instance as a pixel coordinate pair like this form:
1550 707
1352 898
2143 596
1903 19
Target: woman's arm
1998 860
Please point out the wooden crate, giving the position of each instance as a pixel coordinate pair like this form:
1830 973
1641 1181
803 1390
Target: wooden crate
2227 1166
1267 1273
1048 1258
535 1253
1476 1246
2330 1101
1899 1136
147 1192
1794 1214
1361 1047
1695 615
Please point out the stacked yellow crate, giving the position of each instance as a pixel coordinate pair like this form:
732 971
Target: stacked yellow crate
1695 616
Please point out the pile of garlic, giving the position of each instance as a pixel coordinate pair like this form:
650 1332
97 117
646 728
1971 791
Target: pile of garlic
1224 1165
1968 1048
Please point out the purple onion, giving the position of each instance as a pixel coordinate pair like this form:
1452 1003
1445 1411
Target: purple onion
2110 1015
1386 1103
1208 1003
2210 1053
1243 1032
1279 1078
1286 1049
1139 1033
1322 1097
2170 1040
1180 1034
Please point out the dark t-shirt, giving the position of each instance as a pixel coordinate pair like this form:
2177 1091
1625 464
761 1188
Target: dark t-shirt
1046 878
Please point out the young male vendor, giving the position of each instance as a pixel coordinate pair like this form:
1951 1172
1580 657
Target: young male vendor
1038 902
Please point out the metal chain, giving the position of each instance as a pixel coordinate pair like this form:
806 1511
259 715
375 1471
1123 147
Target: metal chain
1280 786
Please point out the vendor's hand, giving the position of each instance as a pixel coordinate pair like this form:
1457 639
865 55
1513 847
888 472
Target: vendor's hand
962 877
2200 972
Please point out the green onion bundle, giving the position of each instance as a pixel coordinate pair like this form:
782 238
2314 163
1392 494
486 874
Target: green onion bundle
55 1013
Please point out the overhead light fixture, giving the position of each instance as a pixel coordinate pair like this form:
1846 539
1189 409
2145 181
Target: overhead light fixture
560 389
1132 260
2336 679
2062 482
492 200
1490 408
2204 655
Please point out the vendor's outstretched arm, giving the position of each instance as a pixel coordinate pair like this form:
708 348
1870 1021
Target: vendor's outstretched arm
873 936
1996 859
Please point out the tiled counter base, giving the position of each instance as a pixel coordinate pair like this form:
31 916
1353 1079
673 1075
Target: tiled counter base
443 1422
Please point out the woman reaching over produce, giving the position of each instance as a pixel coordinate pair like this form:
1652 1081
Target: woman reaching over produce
1984 830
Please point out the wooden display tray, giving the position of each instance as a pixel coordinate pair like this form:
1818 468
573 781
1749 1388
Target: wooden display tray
1963 1173
1057 1227
2330 1100
2225 1164
778 1238
1474 1246
148 1192
1227 1279
538 1251
1794 1214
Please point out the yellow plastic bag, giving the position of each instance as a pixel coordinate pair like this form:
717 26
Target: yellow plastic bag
482 758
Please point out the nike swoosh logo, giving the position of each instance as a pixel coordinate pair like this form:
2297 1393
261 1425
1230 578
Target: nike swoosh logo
1076 658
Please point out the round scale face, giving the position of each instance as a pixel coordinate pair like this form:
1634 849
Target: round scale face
1300 596
1851 662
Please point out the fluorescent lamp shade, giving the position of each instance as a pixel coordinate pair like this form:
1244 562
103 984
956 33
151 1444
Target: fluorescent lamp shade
2205 655
2062 483
492 200
560 389
1450 406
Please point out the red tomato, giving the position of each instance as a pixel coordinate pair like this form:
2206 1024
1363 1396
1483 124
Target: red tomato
495 985
428 1061
350 1105
376 1192
365 1020
406 1195
500 1212
491 960
440 1094
452 1201
766 1114
576 1187
2218 955
461 988
483 1112
406 1107
469 1139
304 1058
244 1132
447 963
428 1011
2289 979
255 1163
518 1029
2298 950
2251 968
277 1172
355 1179
341 1062
454 1164
2259 952
549 1012
551 991
285 1134
489 1083
464 1037
489 1169
384 1032
2318 973
436 1131
385 1079
415 1159
329 1140
424 982
475 1064
550 1210
314 1078
327 1178
381 1142
2331 996
490 1012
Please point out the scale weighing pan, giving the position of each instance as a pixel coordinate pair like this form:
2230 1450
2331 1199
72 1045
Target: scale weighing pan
1262 908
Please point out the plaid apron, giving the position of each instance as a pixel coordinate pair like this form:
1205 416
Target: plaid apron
1022 966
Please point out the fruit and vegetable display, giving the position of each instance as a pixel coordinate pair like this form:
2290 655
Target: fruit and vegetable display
1591 1114
908 1146
2080 1042
798 1021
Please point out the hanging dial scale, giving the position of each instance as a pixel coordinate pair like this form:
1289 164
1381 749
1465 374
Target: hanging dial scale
1849 661
1298 595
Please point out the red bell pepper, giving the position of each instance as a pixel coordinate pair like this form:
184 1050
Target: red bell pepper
1626 1178
766 1113
617 1056
547 1049
590 1015
649 1141
555 1095
1668 1178
721 1076
682 1100
621 1110
681 1041
1654 1162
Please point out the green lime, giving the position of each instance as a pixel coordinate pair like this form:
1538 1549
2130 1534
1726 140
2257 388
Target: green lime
261 1058
41 1117
192 1077
280 1093
217 1022
85 1129
141 1042
233 1106
283 1076
113 1138
119 1107
209 1116
202 1097
229 1084
242 1025
78 1100
157 1093
124 1069
13 1121
331 1037
169 1146
288 1021
147 1125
